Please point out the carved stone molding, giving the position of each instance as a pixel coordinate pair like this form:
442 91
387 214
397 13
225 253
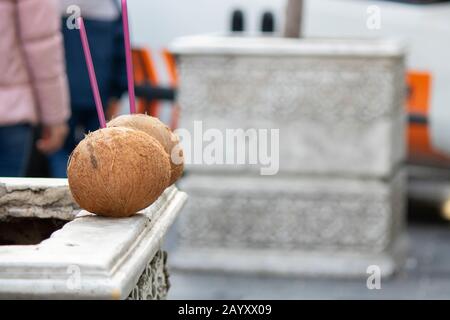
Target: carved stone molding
154 282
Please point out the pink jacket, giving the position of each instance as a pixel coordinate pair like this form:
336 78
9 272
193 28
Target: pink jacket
33 83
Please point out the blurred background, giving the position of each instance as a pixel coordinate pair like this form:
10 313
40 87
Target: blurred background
423 26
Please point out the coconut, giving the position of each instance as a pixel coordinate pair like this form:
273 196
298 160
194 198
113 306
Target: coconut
116 172
158 130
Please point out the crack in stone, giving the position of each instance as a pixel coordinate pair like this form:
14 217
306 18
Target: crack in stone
3 190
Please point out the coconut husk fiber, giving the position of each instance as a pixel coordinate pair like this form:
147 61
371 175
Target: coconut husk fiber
117 172
158 130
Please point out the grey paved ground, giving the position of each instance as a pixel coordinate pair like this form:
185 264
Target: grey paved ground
426 276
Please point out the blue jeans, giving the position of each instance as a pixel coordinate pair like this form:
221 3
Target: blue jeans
15 148
81 122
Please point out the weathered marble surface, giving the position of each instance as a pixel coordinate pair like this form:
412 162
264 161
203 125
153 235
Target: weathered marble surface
36 198
91 257
290 213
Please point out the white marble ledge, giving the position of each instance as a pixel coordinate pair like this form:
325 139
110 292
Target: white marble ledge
91 257
214 44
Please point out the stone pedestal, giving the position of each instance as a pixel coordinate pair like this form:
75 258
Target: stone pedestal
89 257
336 206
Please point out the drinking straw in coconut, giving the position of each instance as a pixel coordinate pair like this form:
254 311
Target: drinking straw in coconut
130 74
91 71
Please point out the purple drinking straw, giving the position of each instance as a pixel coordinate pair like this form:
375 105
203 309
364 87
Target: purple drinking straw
129 58
91 71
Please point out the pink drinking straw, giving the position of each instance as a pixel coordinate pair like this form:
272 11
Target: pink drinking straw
129 58
91 71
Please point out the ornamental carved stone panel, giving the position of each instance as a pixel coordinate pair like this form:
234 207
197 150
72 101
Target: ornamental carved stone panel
337 114
314 214
154 282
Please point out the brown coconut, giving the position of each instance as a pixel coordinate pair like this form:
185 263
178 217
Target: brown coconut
116 172
158 130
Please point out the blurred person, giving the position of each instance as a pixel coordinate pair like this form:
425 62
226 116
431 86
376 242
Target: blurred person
33 84
103 22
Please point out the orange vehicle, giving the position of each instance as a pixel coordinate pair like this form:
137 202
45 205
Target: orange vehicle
421 151
148 83
150 92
